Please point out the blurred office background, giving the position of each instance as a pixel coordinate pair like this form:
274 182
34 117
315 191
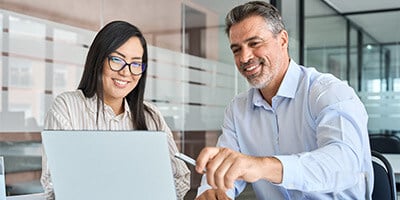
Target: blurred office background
192 75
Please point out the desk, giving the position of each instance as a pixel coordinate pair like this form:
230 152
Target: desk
394 160
38 196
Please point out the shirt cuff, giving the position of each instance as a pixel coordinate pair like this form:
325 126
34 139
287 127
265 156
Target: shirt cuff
292 175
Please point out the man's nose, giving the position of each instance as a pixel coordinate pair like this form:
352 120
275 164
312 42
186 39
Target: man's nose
245 55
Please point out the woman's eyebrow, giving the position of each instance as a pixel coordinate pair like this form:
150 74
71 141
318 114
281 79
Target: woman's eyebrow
122 55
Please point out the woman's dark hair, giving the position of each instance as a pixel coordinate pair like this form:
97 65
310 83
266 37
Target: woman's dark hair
107 40
255 8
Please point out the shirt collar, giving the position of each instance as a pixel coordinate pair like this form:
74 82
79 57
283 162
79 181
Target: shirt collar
287 89
258 99
91 103
290 81
127 111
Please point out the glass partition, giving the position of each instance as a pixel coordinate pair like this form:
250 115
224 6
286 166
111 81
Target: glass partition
191 79
353 69
325 39
346 45
193 75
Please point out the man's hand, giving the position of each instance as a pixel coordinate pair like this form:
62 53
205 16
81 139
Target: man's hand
224 166
213 194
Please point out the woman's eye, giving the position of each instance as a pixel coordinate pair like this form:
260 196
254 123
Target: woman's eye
117 60
136 64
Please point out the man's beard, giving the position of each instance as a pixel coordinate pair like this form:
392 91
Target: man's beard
261 79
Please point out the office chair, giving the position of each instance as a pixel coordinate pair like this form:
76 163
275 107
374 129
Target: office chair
385 143
384 181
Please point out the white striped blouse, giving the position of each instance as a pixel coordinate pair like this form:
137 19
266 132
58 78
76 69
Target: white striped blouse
73 111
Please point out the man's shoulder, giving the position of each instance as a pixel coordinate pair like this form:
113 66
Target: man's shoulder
319 80
324 81
328 90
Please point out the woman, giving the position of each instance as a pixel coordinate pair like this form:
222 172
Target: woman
110 96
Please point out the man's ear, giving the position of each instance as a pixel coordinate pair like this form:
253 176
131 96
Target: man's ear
284 37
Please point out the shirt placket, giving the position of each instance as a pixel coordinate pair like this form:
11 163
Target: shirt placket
275 102
111 120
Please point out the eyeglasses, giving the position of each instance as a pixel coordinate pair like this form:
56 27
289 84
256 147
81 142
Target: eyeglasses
117 64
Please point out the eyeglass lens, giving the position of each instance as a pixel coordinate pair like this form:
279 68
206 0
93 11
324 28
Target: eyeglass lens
118 64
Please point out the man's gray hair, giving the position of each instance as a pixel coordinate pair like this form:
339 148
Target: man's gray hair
255 8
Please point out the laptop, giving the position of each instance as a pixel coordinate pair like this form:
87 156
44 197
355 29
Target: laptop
109 164
2 180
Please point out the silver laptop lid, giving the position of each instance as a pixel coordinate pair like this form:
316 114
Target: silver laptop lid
109 164
2 180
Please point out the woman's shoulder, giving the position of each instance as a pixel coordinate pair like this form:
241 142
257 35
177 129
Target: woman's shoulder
155 118
76 94
152 109
69 97
151 106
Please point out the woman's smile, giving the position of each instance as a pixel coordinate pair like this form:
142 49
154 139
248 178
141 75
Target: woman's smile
120 83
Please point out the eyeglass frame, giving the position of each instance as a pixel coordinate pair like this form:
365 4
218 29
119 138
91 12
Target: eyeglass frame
143 65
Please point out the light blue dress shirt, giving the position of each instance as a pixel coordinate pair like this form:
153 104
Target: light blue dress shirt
316 126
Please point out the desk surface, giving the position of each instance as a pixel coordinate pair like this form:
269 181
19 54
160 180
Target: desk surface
394 160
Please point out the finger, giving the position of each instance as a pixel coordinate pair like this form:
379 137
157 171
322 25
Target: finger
217 163
208 195
229 169
217 168
224 164
221 195
206 154
201 197
234 172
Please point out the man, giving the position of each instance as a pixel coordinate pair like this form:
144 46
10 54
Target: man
296 134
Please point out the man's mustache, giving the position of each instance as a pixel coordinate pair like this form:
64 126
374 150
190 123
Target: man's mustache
242 66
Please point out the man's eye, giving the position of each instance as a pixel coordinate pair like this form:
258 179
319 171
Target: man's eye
234 51
253 44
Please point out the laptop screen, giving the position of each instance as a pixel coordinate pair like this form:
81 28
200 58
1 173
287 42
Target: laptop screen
109 164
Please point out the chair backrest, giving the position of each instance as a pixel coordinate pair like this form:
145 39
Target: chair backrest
385 143
384 182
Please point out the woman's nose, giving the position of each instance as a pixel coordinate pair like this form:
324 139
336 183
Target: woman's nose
125 71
